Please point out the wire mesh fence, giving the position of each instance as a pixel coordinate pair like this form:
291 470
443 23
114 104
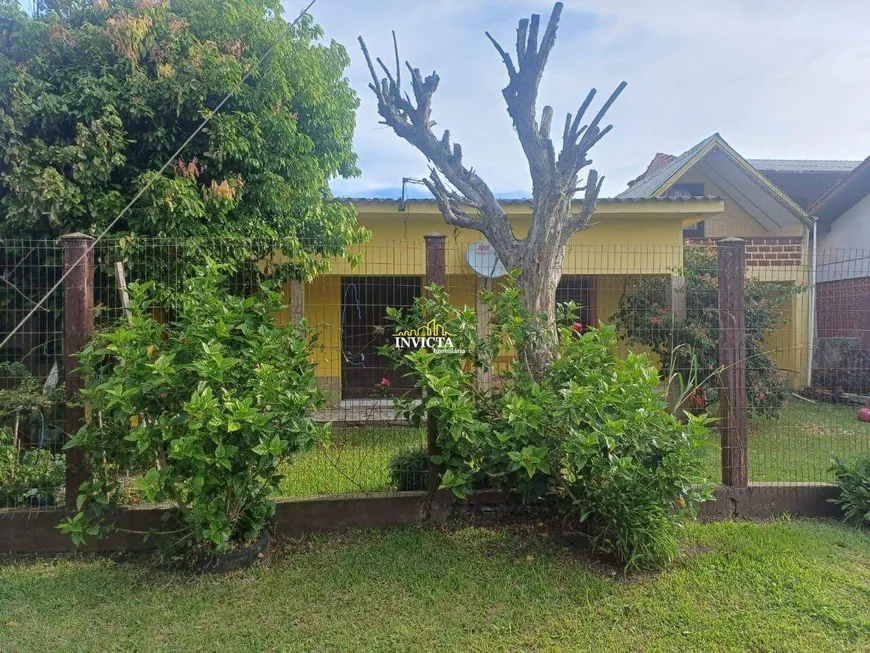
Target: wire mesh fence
32 464
800 403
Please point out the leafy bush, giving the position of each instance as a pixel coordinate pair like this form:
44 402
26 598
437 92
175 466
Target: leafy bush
204 409
592 434
28 475
853 477
409 469
645 317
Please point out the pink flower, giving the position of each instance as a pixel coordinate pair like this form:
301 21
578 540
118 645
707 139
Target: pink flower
655 320
577 327
385 382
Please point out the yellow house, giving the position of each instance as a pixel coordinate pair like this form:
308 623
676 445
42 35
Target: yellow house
640 232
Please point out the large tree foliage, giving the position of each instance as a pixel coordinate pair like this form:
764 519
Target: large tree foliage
469 203
95 96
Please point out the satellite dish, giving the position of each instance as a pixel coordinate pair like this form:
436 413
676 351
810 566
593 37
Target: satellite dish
482 258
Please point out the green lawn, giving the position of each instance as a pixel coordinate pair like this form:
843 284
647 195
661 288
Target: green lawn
785 586
355 461
796 447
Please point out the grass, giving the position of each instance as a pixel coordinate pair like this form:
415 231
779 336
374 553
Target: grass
784 586
799 444
796 447
355 461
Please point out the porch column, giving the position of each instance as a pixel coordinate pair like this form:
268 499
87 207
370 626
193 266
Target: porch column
678 295
297 300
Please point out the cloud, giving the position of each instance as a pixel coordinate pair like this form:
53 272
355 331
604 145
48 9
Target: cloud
778 79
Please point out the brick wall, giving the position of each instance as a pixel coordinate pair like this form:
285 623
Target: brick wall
769 250
841 308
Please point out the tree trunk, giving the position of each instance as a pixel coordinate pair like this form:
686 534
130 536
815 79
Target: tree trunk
467 202
542 271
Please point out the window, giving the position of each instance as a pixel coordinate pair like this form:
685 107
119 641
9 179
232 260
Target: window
690 189
693 189
581 291
695 231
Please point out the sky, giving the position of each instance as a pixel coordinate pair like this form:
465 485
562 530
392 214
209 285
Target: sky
776 79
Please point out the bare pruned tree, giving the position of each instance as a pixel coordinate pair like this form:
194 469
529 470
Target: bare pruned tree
466 201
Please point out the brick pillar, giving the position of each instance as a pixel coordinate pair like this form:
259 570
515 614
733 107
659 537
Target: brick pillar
436 272
78 324
732 357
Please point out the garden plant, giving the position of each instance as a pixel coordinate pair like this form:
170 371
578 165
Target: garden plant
593 435
30 473
201 409
853 476
689 340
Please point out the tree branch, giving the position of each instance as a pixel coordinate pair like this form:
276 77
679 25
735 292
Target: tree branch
580 220
554 180
521 95
410 119
449 203
577 141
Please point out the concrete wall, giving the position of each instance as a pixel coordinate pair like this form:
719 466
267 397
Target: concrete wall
844 251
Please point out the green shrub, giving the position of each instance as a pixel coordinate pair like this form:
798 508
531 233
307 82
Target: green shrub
853 477
409 469
691 339
28 476
202 410
592 434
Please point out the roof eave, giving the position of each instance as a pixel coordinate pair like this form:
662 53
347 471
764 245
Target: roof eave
717 141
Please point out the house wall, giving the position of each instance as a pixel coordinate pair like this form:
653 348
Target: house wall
840 308
641 245
844 251
734 220
788 344
616 250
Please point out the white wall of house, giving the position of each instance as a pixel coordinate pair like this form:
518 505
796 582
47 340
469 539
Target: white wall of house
844 251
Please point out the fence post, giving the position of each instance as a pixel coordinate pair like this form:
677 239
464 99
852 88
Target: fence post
732 357
436 272
78 323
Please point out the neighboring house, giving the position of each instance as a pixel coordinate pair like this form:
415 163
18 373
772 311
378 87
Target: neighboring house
631 238
776 228
754 206
804 181
843 296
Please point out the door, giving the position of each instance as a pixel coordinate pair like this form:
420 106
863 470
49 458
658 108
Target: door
364 328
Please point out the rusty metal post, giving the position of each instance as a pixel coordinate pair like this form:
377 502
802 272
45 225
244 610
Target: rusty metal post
436 272
732 358
78 323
